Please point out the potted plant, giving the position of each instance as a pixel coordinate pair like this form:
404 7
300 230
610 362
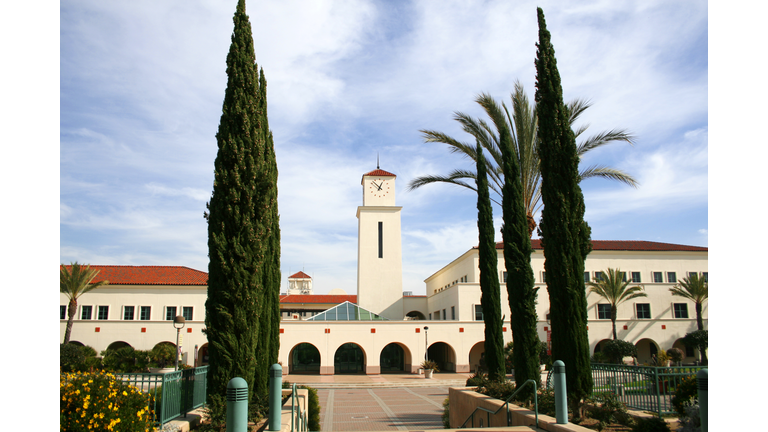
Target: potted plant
429 367
161 358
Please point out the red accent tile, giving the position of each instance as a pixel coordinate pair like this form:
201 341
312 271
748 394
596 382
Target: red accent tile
282 331
461 329
327 330
373 330
418 330
625 327
663 327
189 329
143 329
98 329
503 329
546 328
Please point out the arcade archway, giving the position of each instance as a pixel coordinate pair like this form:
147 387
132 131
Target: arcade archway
444 355
395 358
349 359
304 359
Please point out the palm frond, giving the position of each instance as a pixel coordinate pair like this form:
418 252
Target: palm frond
603 138
602 171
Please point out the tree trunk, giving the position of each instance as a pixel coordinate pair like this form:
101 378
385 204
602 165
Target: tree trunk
71 309
699 320
613 320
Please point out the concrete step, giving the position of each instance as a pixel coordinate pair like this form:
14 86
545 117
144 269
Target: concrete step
388 384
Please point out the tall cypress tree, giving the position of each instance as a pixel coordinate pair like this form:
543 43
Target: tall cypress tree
517 258
243 231
565 234
490 299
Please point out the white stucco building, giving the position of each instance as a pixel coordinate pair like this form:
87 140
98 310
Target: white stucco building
381 330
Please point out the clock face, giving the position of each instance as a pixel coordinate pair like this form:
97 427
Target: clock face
379 187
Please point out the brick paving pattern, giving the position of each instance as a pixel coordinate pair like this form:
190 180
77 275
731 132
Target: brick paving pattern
381 409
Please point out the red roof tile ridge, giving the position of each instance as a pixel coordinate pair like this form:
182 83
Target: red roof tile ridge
300 275
379 172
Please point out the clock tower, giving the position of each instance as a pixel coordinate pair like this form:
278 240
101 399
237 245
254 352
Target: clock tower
379 247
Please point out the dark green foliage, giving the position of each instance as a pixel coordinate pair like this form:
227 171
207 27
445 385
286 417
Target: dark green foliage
686 394
650 424
617 349
609 409
242 310
162 355
125 359
76 358
700 340
446 417
498 390
565 235
517 258
313 405
478 379
676 355
216 412
489 277
544 358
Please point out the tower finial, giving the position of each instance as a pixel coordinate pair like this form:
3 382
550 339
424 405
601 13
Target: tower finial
377 161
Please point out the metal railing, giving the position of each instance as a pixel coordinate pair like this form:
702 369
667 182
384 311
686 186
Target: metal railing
171 394
646 388
299 417
489 413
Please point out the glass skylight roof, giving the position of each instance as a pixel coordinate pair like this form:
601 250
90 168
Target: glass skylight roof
346 312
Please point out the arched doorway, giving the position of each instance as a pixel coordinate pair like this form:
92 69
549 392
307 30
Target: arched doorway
395 358
202 355
349 359
444 355
415 316
117 345
304 359
475 355
646 351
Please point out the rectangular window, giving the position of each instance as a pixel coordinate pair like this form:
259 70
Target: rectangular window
681 310
657 277
689 352
690 274
85 312
128 313
636 277
381 239
430 315
586 277
643 310
453 312
186 312
598 276
62 312
170 313
145 313
671 277
504 277
543 277
705 275
478 312
445 317
623 276
103 313
603 311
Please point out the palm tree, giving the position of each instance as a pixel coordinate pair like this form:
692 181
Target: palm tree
522 126
614 288
76 281
695 289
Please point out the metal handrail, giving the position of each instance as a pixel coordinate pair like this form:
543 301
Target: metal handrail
300 417
506 405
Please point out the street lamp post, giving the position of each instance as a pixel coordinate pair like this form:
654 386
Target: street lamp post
426 343
178 324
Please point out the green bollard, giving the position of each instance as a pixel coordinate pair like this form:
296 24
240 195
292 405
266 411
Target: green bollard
561 400
237 405
275 396
702 378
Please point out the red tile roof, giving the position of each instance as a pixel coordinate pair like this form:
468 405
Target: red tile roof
380 173
149 275
300 275
318 298
626 245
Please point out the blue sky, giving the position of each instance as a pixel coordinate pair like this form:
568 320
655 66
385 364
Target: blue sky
142 83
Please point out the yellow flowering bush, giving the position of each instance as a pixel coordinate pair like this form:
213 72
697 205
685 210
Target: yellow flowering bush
98 401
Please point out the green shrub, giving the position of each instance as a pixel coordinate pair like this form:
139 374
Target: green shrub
599 357
609 409
544 358
687 393
446 417
125 359
162 355
99 401
650 424
477 380
313 408
617 349
546 401
675 354
215 411
498 390
77 358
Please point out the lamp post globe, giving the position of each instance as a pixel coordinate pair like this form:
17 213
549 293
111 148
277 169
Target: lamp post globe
178 323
